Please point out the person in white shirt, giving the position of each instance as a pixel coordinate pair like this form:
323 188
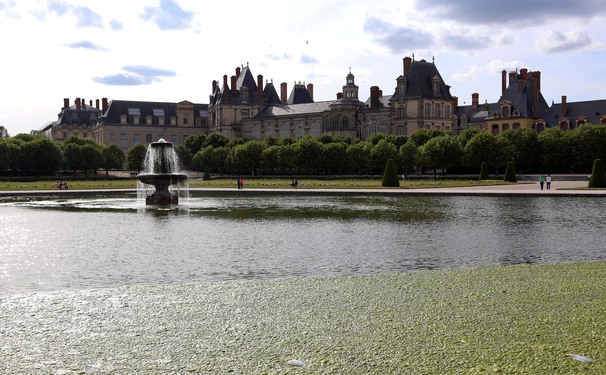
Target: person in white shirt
548 182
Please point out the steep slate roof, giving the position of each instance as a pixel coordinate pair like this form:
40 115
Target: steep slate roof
116 108
293 109
419 79
299 95
520 95
85 115
270 95
591 109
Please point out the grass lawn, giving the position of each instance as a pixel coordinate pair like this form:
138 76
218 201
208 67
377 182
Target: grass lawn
248 183
525 319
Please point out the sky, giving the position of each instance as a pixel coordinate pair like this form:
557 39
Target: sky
172 50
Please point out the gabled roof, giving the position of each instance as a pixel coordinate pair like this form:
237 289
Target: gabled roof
299 95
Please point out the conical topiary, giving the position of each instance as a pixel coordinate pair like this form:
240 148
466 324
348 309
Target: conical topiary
390 176
206 176
484 171
598 176
510 173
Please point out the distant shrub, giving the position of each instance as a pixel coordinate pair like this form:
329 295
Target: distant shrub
484 171
598 176
206 176
510 173
390 176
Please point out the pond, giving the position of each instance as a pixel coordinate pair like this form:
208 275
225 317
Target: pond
56 244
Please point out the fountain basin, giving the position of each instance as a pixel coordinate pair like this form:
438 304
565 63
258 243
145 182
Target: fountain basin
162 182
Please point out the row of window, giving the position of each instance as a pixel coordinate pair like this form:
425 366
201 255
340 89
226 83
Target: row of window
136 139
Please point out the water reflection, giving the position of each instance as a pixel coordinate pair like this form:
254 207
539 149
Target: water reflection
50 244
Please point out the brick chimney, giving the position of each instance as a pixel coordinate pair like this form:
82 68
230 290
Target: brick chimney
407 64
104 104
97 103
455 103
283 91
503 81
260 87
77 103
214 86
65 102
83 103
523 74
339 95
237 72
475 100
225 85
375 96
512 77
310 90
536 75
233 83
563 105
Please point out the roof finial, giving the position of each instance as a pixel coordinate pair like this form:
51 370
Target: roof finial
413 56
433 60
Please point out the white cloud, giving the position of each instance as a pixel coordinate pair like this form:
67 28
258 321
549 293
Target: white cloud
557 41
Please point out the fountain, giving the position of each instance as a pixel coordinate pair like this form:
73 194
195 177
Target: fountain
161 182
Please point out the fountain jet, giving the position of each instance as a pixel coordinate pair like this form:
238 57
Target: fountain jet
161 170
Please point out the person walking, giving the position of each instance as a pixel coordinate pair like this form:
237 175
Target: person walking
541 181
548 182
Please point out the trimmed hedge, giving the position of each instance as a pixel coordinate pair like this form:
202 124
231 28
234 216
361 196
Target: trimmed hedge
598 176
510 173
484 171
390 176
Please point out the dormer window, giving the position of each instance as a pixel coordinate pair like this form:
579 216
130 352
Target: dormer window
436 85
402 86
244 94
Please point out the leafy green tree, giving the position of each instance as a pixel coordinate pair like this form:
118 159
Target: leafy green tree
194 143
308 150
467 134
358 155
586 143
41 155
421 136
184 155
91 157
270 157
216 140
598 175
248 156
287 157
135 157
390 176
481 148
441 152
510 173
10 154
526 147
409 155
205 158
3 133
554 148
382 152
112 157
376 138
72 157
334 157
25 137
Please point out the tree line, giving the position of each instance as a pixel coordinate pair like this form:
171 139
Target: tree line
424 151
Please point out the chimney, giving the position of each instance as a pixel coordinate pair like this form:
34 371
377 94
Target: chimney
563 105
407 63
339 95
97 103
66 103
524 74
310 90
233 83
83 103
375 95
90 103
214 86
260 88
225 86
512 77
475 99
535 97
283 90
503 81
77 103
536 75
104 104
237 72
455 103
